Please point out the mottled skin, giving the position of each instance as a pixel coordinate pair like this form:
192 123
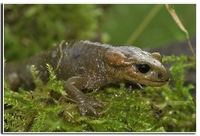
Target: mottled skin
88 65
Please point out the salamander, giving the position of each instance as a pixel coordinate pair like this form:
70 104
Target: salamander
85 65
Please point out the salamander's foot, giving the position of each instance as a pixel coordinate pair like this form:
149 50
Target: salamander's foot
89 106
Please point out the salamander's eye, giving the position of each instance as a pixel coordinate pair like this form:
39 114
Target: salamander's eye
143 68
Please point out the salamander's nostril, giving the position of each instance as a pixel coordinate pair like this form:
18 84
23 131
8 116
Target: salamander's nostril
160 75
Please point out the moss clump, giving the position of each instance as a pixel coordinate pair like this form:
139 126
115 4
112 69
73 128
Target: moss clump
37 27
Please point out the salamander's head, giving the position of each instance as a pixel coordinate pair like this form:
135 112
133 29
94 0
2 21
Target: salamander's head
134 65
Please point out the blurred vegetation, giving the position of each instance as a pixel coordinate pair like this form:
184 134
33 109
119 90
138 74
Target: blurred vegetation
122 21
32 28
29 29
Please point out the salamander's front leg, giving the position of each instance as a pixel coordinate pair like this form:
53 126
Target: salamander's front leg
73 87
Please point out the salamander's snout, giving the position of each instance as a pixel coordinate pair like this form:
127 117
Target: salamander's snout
164 76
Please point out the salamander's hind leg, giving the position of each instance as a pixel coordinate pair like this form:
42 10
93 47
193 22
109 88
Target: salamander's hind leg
13 81
73 87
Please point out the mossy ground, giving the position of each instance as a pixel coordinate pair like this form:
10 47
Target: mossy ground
154 109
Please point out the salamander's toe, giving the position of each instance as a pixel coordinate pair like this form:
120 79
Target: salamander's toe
89 106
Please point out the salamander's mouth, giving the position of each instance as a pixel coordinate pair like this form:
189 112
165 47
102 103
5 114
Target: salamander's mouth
151 78
154 83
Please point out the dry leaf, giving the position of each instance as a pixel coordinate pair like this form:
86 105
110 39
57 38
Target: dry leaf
177 20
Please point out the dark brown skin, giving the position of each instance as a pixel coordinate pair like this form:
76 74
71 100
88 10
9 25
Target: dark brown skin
85 65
